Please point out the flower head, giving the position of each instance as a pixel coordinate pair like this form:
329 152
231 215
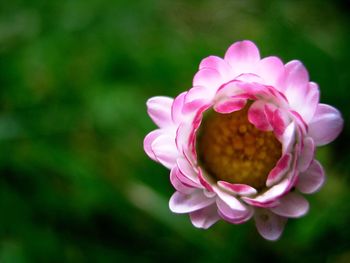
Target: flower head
241 142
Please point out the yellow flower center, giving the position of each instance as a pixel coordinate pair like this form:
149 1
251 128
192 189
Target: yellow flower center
231 149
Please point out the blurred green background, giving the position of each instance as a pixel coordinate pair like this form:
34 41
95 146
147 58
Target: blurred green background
75 184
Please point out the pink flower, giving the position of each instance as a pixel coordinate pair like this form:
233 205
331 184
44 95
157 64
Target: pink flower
241 142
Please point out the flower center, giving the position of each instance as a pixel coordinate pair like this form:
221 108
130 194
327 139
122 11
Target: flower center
231 149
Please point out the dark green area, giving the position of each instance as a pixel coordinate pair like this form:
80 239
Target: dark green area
75 184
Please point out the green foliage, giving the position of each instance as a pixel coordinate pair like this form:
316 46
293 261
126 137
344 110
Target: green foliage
75 184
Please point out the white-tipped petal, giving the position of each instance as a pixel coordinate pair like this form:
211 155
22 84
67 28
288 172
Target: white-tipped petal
292 205
186 203
205 217
269 225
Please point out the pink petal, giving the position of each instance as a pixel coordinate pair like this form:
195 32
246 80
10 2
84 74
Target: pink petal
147 142
208 78
269 111
186 136
288 138
257 116
269 225
176 108
229 105
239 189
296 80
205 218
196 98
312 179
302 96
179 185
301 125
183 135
159 109
280 121
165 150
270 197
191 182
187 169
292 205
249 78
230 200
278 96
307 154
204 181
309 102
183 203
232 215
218 64
230 89
326 124
270 69
242 56
279 170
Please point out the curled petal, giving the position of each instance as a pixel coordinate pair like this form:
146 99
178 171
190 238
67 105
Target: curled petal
159 109
232 215
325 125
242 56
186 203
179 184
192 182
186 174
176 108
249 78
165 150
230 200
307 154
230 105
270 197
269 111
183 133
205 217
257 116
269 225
302 127
238 189
279 170
147 142
288 138
230 89
187 169
185 136
280 120
292 205
196 98
204 181
312 179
